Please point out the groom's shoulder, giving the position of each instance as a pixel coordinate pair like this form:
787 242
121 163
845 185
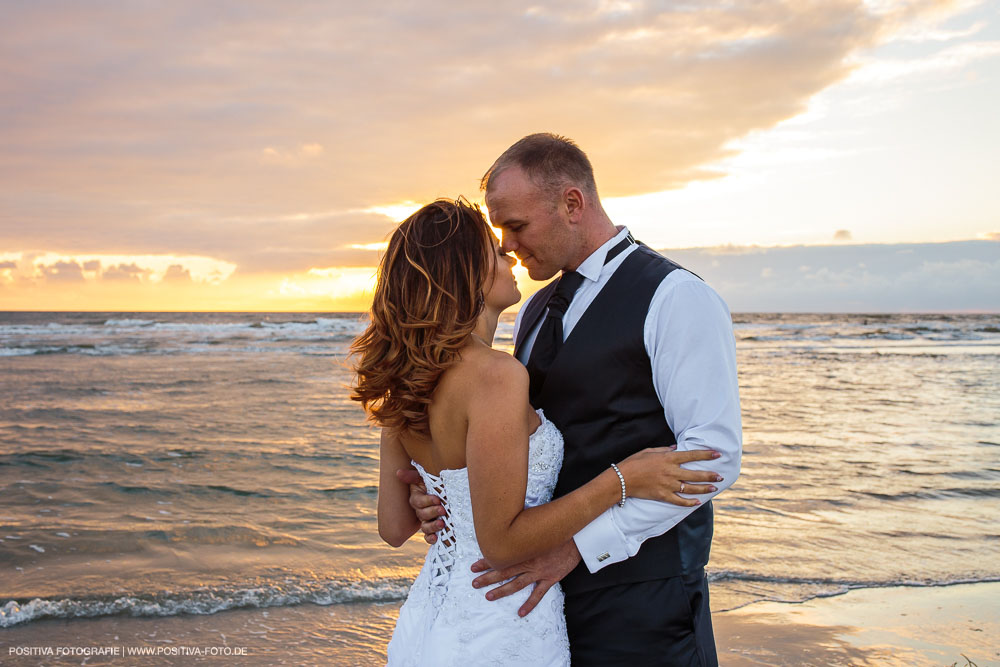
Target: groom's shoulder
679 281
665 264
682 288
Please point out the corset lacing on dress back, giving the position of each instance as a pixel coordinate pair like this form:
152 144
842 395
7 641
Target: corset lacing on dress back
442 553
445 621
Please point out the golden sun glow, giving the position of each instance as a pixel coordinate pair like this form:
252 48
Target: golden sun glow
29 267
396 212
761 129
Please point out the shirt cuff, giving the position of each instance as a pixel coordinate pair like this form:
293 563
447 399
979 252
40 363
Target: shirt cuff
600 543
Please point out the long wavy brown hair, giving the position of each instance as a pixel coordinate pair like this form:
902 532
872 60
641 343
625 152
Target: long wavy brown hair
427 300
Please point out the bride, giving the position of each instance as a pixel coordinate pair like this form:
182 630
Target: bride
457 411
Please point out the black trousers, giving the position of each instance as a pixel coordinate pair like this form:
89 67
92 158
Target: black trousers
660 622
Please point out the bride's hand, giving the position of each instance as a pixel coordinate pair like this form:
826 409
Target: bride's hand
656 473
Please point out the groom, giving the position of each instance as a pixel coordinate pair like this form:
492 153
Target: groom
626 350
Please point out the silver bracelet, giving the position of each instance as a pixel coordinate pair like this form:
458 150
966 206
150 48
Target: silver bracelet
621 479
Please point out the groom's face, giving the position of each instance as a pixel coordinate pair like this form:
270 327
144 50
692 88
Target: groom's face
532 225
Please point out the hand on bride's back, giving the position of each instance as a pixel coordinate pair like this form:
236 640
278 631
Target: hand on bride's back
428 508
656 474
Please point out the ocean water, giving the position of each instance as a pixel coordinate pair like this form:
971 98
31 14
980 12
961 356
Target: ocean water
160 464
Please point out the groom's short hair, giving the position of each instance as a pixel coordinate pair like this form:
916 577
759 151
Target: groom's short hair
551 161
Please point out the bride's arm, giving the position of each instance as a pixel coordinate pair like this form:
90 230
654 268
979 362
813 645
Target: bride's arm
497 460
396 520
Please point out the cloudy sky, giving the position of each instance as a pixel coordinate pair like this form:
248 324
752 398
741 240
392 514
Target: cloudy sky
252 156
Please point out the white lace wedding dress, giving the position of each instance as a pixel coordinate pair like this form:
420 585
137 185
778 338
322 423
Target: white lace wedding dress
445 621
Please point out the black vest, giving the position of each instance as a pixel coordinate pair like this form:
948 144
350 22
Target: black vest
599 392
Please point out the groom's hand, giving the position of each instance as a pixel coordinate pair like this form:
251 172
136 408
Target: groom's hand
428 508
544 571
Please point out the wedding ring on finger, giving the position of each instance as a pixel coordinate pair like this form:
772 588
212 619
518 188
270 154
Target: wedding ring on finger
682 487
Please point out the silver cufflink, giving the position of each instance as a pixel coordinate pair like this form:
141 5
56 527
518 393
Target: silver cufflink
603 557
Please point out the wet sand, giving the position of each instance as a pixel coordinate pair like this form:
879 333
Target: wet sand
883 626
874 626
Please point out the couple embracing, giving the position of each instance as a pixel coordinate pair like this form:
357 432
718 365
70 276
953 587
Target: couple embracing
565 490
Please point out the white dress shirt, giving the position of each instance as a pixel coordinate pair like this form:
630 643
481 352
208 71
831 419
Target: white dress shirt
688 335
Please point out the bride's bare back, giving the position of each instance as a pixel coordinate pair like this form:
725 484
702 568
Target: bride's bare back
448 413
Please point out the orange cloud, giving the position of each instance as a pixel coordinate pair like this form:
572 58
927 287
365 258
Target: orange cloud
179 130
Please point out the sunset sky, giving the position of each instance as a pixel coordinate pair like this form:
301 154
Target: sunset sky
254 155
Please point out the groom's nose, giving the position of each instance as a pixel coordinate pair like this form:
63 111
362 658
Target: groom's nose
507 243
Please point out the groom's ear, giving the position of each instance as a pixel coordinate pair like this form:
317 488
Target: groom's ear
573 200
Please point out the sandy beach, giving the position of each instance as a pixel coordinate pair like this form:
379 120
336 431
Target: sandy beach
910 626
873 626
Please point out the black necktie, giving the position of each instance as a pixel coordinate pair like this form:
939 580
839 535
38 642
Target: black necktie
550 334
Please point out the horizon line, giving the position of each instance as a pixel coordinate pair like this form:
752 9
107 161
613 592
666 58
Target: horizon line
511 312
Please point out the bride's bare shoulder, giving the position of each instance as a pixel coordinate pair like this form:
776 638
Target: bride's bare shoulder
480 368
487 363
483 384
